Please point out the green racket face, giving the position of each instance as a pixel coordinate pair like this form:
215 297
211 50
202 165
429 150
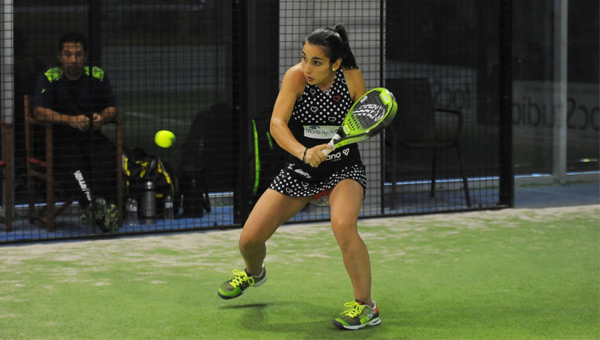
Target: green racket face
368 116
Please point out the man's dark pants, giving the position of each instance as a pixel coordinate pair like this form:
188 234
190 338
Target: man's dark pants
85 159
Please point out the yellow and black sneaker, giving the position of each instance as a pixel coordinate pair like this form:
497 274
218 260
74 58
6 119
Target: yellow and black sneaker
102 214
358 316
110 224
236 286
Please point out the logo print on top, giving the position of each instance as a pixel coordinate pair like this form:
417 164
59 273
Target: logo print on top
372 111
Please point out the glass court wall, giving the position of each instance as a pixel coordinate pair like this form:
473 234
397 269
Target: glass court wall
210 71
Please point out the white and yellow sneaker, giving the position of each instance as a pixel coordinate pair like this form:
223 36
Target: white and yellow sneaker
236 286
359 315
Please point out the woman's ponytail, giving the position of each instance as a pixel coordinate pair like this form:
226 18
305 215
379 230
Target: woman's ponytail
335 41
348 60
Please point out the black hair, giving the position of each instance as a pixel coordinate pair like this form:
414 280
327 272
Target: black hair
335 42
73 37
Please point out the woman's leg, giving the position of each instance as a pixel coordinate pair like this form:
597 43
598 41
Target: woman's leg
345 201
272 210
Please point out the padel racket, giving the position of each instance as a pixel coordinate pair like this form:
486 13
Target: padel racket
371 113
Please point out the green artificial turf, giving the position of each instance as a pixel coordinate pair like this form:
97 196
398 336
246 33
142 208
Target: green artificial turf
509 274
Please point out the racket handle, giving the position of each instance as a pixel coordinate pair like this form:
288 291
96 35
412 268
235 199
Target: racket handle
328 151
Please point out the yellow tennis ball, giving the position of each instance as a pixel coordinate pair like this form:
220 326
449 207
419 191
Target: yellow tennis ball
164 138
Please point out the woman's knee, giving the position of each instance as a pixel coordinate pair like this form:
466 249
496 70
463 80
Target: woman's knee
344 223
249 241
346 232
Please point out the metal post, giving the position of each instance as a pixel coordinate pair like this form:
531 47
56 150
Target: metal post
241 196
7 91
95 32
559 136
382 58
507 180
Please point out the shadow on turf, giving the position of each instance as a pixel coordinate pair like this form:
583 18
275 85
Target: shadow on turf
254 318
251 305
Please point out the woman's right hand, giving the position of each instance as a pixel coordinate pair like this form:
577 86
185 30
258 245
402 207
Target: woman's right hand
315 156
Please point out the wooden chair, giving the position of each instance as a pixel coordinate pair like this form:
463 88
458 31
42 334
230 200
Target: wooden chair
43 169
7 166
419 125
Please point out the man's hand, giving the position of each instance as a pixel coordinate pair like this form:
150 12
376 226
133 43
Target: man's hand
80 122
98 121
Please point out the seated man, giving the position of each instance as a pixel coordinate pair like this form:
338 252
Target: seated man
79 99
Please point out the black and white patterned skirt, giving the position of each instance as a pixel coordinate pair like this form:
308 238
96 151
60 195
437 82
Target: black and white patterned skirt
296 182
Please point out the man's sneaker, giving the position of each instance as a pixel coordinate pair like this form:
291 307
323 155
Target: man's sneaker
93 212
358 316
111 218
104 215
236 286
87 217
